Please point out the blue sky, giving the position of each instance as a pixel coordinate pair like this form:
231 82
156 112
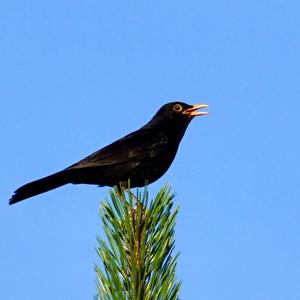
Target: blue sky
77 75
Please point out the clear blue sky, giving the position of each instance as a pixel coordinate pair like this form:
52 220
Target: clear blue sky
76 75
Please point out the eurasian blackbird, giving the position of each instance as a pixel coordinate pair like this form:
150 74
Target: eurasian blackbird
142 156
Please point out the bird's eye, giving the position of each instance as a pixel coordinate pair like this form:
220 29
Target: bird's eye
177 107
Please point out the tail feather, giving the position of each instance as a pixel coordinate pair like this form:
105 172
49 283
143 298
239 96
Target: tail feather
40 186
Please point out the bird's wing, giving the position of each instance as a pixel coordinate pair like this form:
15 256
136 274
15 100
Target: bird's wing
135 146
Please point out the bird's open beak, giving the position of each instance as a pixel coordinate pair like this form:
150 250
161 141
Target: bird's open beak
193 110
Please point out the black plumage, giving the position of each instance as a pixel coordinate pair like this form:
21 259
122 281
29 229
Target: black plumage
142 156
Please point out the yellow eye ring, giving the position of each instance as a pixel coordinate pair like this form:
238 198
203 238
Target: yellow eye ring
177 107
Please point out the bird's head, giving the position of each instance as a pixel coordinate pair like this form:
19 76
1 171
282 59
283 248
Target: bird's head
177 113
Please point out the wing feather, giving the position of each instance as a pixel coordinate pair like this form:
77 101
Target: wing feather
134 146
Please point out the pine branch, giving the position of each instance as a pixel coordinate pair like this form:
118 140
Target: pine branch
137 254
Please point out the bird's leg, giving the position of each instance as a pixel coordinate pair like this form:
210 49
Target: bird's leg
124 185
132 195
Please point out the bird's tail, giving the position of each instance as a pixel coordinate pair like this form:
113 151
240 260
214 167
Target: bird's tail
40 186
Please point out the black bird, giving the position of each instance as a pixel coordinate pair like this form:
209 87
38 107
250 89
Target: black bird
142 156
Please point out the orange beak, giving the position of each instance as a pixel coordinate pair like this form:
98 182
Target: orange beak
192 111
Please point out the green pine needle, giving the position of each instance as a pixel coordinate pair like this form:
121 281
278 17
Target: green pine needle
137 254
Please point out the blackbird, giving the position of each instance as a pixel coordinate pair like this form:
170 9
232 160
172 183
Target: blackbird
142 156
